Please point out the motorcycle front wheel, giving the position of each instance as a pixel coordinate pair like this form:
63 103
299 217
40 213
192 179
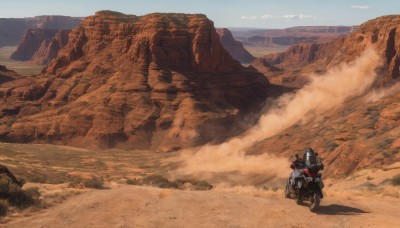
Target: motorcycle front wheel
314 202
287 190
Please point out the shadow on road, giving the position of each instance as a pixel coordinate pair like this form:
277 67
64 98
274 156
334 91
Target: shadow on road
335 209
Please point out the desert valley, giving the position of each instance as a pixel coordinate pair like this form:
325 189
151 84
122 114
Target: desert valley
164 120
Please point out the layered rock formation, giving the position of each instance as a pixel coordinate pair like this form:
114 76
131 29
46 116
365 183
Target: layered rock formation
12 30
299 61
157 81
49 48
292 36
41 45
235 48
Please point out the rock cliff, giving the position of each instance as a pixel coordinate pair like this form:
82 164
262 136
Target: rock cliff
235 48
12 30
382 34
41 45
156 81
31 41
293 35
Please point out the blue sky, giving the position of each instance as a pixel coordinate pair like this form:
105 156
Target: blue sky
224 13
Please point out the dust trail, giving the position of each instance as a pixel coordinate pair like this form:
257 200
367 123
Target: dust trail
381 93
228 161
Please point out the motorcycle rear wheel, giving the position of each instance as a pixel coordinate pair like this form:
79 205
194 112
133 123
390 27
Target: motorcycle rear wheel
314 202
300 198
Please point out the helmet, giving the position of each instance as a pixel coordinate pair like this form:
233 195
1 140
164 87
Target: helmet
309 157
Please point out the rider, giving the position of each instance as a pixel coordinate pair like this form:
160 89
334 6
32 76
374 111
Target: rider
296 164
310 159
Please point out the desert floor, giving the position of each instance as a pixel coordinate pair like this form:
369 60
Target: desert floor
135 206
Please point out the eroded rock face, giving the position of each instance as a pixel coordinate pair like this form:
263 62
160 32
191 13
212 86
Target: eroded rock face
382 34
49 48
12 30
35 39
157 81
235 48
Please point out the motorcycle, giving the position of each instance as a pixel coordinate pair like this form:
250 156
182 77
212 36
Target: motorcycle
307 186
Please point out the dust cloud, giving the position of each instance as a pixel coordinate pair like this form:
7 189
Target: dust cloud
228 163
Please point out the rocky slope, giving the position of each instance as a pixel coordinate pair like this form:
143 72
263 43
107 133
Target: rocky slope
235 48
382 34
7 75
362 133
157 81
12 30
41 45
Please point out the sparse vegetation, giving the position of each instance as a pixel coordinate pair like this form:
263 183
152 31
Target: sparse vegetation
11 121
94 182
24 198
197 185
369 134
331 145
162 182
113 88
15 196
396 180
76 182
384 144
159 181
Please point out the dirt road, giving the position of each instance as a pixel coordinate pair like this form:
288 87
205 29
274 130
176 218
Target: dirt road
133 206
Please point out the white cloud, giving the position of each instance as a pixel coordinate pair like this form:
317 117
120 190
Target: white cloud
290 17
268 16
360 7
248 17
299 16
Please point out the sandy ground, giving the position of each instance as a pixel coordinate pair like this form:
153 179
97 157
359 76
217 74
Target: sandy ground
134 206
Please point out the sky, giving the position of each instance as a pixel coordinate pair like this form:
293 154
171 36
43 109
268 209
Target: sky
224 13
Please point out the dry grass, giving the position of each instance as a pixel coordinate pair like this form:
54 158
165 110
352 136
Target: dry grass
54 197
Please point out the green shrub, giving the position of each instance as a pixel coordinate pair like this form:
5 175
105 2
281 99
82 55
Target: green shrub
162 182
7 186
21 199
133 182
94 182
76 181
396 180
159 181
197 185
3 207
203 185
17 197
